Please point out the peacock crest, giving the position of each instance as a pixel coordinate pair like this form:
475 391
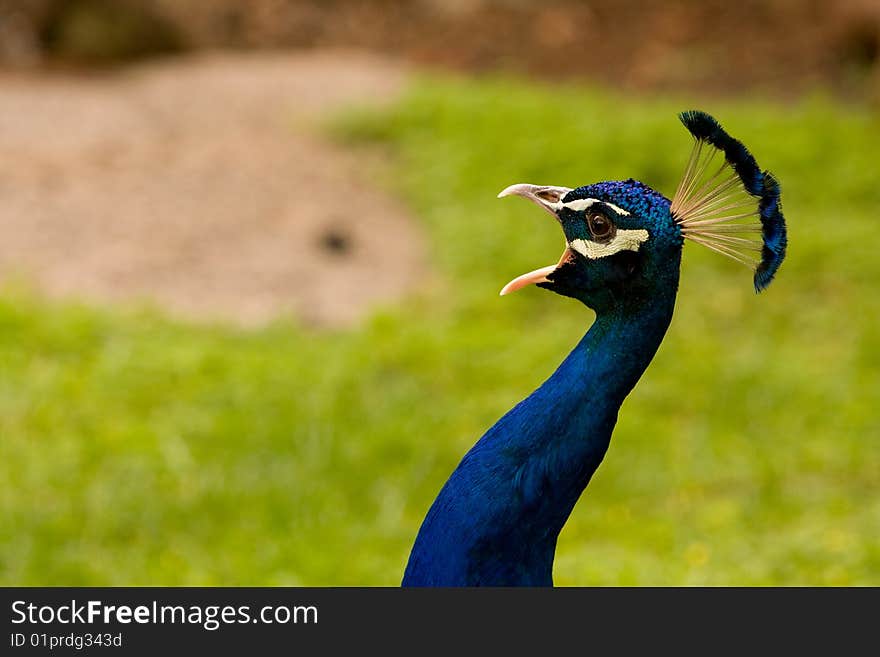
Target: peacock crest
726 203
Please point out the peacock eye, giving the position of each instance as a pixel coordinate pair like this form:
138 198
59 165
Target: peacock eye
600 226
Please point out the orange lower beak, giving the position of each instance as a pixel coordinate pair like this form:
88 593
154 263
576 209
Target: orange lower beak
538 275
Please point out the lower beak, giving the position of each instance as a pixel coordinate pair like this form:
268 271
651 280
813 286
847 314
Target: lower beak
538 275
549 198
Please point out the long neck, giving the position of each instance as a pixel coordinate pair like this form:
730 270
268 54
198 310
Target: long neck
497 519
560 433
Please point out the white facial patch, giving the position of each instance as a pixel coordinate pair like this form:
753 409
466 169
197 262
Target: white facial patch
624 240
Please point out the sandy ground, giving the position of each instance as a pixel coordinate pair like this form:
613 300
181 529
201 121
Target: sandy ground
195 184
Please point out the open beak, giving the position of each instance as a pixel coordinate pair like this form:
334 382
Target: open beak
549 198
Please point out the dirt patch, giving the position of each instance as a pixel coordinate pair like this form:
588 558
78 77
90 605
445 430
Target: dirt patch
195 184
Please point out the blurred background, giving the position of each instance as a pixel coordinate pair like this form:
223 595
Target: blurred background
249 261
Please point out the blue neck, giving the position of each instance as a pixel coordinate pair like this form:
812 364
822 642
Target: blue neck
496 520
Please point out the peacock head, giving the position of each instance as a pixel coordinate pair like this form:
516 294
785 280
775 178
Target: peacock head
620 241
623 240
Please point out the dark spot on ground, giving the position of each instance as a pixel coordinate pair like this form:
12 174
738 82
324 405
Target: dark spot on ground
335 242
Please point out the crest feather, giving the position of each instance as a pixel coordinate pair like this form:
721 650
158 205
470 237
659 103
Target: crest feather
730 206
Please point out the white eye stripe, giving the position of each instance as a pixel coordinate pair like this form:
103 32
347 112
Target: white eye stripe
624 240
581 204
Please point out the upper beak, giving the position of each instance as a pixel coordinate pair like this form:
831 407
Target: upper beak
549 198
546 196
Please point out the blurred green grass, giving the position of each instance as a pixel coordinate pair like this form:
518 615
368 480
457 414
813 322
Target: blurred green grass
136 450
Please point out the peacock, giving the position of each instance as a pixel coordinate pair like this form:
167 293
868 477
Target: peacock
496 520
